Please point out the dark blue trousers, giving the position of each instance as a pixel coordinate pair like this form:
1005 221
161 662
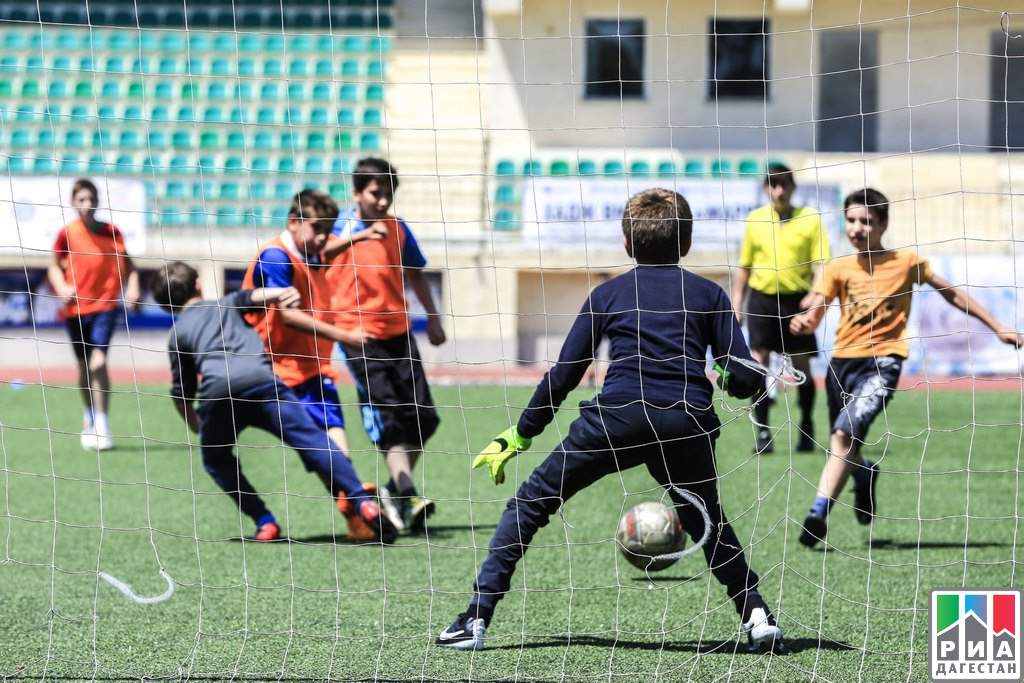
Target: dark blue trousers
274 408
676 446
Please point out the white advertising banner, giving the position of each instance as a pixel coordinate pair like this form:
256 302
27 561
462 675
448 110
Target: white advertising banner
33 209
573 213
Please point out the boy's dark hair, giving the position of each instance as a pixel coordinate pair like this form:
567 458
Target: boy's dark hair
174 285
84 184
371 168
779 174
313 204
658 225
871 199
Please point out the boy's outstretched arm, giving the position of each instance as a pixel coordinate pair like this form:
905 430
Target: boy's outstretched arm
808 321
963 301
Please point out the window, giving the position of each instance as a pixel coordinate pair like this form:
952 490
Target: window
738 59
615 58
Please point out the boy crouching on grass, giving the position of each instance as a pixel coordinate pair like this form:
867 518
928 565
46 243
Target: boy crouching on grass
654 410
874 288
212 340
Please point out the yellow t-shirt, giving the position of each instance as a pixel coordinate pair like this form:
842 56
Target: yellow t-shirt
875 304
781 256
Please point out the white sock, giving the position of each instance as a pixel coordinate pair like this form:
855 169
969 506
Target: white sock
102 424
87 421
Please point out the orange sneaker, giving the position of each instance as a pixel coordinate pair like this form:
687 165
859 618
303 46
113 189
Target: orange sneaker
268 532
345 505
358 530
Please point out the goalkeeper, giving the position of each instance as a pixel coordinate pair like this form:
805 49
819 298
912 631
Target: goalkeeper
654 410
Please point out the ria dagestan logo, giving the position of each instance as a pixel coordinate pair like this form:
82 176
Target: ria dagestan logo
975 634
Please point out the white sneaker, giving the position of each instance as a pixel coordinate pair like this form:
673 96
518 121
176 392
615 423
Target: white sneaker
88 438
104 442
763 634
388 507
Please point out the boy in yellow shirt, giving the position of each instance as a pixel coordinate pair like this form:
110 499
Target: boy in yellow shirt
874 288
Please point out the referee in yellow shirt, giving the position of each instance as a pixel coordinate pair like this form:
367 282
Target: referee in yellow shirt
784 250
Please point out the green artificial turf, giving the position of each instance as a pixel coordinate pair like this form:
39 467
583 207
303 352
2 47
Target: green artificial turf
317 607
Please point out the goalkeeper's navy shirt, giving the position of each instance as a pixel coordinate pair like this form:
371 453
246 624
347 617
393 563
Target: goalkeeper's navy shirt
212 339
660 321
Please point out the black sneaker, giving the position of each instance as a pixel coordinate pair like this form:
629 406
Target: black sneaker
864 497
806 444
814 530
382 527
467 633
416 512
763 445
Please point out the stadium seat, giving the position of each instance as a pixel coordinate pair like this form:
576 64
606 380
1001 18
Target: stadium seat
327 43
124 164
79 113
294 116
186 114
614 167
314 165
721 167
67 40
667 169
101 139
213 115
189 91
174 189
209 140
321 92
289 140
372 117
173 42
342 166
250 42
8 64
297 91
142 65
505 167
136 90
45 138
283 191
229 191
266 116
318 117
86 64
97 164
346 117
233 165
160 113
114 65
350 68
157 139
207 164
270 91
220 67
15 39
198 42
181 140
260 165
378 44
239 115
43 165
129 139
179 164
70 165
273 42
272 68
504 219
133 113
343 140
348 92
505 194
750 168
6 89
246 67
369 141
149 41
257 191
25 114
324 68
111 90
375 92
286 164
263 140
225 42
61 64
168 66
586 167
164 90
236 140
15 165
74 138
217 90
316 141
298 68
558 167
195 66
56 89
375 69
353 44
243 91
533 168
21 138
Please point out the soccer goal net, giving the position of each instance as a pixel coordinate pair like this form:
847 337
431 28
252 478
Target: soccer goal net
516 133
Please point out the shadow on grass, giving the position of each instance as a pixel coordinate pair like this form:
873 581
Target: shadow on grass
701 647
886 543
664 578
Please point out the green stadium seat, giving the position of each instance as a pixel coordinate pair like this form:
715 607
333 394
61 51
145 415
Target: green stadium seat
79 113
136 89
667 169
316 141
74 139
297 91
8 64
348 92
369 141
272 68
129 139
318 117
286 164
6 89
233 165
209 140
111 90
43 165
181 140
721 167
505 167
101 139
263 140
750 167
558 167
532 168
207 164
157 139
375 68
70 165
350 68
260 165
372 117
324 68
168 66
614 167
239 115
160 113
266 116
220 67
213 115
56 89
375 92
133 113
504 220
270 91
346 117
343 140
186 114
321 92
26 114
298 68
164 90
236 140
587 167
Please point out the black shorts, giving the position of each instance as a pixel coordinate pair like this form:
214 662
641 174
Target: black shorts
394 397
858 390
768 317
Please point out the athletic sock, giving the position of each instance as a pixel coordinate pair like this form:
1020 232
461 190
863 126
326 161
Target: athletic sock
392 487
481 613
102 424
806 394
862 474
87 419
748 602
821 507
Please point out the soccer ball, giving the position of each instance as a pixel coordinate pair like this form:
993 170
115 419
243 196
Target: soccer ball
650 529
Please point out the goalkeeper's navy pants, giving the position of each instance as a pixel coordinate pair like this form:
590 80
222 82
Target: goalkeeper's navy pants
678 448
274 408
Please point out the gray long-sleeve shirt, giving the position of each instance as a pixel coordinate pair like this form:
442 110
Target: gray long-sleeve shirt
211 339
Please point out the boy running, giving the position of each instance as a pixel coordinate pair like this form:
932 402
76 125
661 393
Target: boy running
874 288
655 409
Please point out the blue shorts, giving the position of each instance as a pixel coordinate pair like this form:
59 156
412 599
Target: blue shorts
319 396
92 331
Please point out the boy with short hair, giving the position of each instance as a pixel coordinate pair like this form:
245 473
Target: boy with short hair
238 389
874 288
89 270
299 340
654 409
368 287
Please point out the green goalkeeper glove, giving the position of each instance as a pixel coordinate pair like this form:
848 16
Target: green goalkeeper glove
723 378
504 447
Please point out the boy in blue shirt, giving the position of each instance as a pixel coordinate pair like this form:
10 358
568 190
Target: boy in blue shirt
211 340
654 410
